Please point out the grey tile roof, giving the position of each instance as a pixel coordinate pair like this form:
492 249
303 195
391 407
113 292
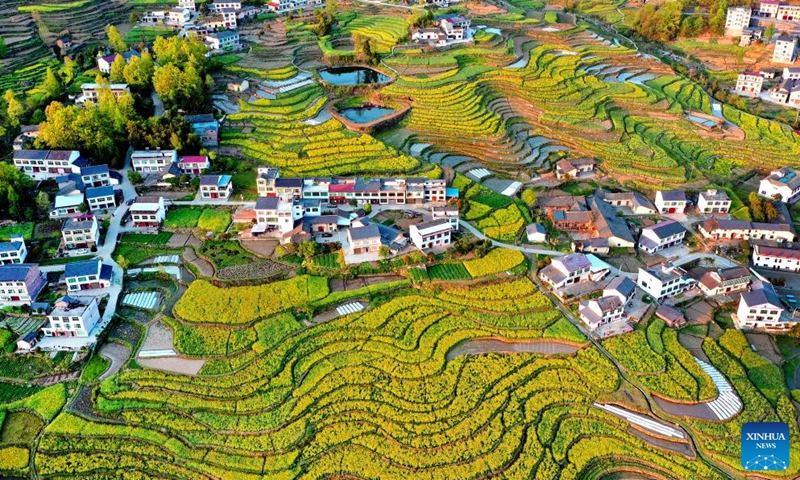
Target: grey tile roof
365 232
666 229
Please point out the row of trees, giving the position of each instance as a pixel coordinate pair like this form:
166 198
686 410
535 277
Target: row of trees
666 21
762 209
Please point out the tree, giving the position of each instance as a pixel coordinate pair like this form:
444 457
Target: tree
139 72
134 17
117 74
717 18
367 208
115 39
51 85
770 212
123 262
134 177
14 108
3 48
69 70
384 251
16 194
529 197
42 203
756 207
307 249
769 32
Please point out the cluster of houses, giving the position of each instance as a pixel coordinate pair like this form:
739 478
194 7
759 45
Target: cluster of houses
217 29
450 28
787 92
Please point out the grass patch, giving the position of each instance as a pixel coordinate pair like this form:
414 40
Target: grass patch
225 253
64 260
330 260
96 366
448 271
183 217
160 238
25 229
214 220
10 392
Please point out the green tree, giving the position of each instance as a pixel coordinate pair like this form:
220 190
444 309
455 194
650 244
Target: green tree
115 39
134 177
307 249
384 251
717 18
14 108
69 70
529 197
769 32
51 86
770 212
3 48
16 194
42 203
139 72
123 262
117 74
756 207
168 82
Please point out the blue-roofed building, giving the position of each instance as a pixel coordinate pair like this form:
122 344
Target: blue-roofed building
782 184
101 198
206 127
95 176
87 275
20 284
216 187
13 251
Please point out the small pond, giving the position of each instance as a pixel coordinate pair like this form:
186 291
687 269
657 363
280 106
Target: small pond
365 114
352 76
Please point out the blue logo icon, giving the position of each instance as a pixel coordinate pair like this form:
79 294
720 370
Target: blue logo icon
765 446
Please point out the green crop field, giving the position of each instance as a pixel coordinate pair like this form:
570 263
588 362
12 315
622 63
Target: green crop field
53 7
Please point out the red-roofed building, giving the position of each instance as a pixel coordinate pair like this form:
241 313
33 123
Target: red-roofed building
776 258
194 164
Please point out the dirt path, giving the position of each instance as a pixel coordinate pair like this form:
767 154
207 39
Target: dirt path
205 267
53 379
118 354
496 345
159 337
173 364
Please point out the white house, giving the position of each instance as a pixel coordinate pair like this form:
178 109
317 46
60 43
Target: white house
80 232
635 201
785 49
749 84
736 20
275 214
724 281
90 92
788 92
760 308
782 184
146 161
101 198
179 16
791 73
366 239
148 211
216 187
72 317
95 176
436 233
20 284
104 62
720 229
194 165
601 311
47 164
568 270
768 8
224 40
713 201
13 251
536 233
622 288
87 275
68 201
664 281
187 4
670 201
660 236
217 7
447 212
776 258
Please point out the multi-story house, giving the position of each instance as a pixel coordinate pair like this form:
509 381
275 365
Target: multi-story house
13 251
724 281
90 92
608 225
229 18
87 275
664 281
713 201
768 8
791 73
622 288
275 214
217 7
749 84
670 201
95 176
194 165
601 311
216 187
432 234
736 20
455 27
568 270
660 236
187 4
146 161
447 212
718 229
785 49
760 308
68 201
148 211
80 232
179 16
782 184
20 284
205 125
776 258
72 317
270 184
47 164
101 198
224 40
788 92
366 239
104 62
788 13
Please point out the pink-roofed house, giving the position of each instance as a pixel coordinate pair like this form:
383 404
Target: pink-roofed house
193 164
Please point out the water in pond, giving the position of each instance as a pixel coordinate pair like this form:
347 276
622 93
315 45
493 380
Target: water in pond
365 114
352 76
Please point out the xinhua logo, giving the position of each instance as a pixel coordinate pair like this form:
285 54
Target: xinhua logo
765 446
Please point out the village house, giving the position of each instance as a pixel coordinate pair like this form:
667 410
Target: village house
217 7
788 92
100 198
154 17
270 184
664 281
147 211
637 203
760 308
597 245
28 133
13 251
749 35
768 8
672 316
536 233
95 176
610 226
713 201
69 201
782 184
147 161
366 239
601 311
104 62
724 281
749 84
670 201
432 234
248 11
47 164
178 16
569 270
791 73
785 49
573 221
660 236
72 317
622 288
27 342
225 40
564 203
229 18
240 86
216 187
736 20
455 27
20 284
87 275
447 212
275 214
64 43
720 229
323 224
776 258
431 35
187 4
193 165
206 127
90 92
80 232
574 168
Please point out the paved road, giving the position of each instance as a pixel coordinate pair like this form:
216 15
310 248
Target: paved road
158 105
